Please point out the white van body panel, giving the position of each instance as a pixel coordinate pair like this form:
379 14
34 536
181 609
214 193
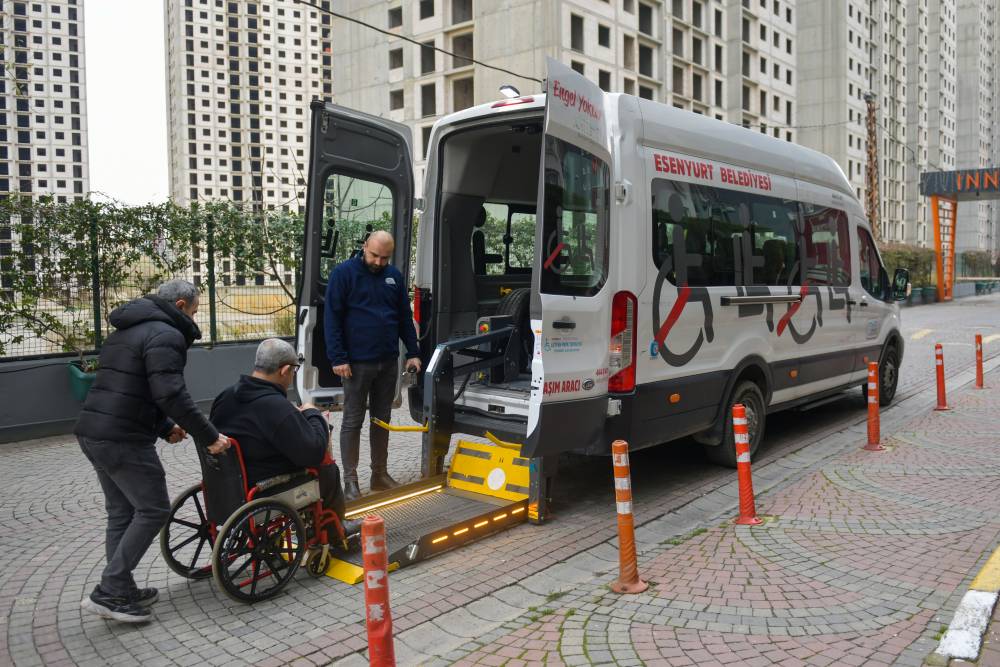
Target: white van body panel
806 348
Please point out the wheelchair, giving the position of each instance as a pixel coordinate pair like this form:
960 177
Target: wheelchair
251 540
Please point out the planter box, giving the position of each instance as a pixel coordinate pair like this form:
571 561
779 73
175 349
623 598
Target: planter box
79 380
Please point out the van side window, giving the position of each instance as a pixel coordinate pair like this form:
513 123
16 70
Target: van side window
576 220
828 246
719 237
871 265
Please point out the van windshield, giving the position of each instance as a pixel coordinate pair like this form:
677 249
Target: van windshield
574 248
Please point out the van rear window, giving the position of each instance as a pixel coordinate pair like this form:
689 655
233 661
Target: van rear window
575 227
709 236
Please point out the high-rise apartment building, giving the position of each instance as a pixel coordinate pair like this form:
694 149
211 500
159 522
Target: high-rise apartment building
240 76
931 106
43 100
977 101
848 49
679 52
762 45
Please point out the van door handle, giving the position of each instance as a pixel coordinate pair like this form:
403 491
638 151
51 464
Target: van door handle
564 324
864 302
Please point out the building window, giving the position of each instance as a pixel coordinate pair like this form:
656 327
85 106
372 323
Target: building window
646 60
395 17
576 32
604 36
425 140
427 64
645 19
718 93
428 100
395 99
577 67
426 9
718 59
395 58
461 11
718 23
678 42
645 92
678 82
604 80
462 94
461 46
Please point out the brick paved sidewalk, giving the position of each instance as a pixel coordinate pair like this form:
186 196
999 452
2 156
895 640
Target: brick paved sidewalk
860 562
863 561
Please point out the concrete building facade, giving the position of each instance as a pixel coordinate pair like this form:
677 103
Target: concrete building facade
762 73
43 100
240 76
931 106
977 104
688 53
848 49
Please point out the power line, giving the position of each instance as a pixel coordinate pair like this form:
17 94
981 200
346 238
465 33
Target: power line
413 41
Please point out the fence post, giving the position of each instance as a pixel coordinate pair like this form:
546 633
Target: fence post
95 279
210 251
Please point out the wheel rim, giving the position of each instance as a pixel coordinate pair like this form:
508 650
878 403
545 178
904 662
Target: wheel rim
260 552
187 537
753 418
889 377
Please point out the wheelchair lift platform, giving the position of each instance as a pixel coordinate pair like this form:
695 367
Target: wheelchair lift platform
484 491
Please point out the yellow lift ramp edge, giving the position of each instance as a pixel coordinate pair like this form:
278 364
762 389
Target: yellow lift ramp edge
484 491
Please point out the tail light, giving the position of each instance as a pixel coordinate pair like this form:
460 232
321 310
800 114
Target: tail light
417 297
622 357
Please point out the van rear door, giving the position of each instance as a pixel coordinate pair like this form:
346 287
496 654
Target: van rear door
570 307
360 181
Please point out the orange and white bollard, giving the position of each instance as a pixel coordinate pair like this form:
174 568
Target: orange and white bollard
741 438
377 616
942 400
979 361
628 567
874 434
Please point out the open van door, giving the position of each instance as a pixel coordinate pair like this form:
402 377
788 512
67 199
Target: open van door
571 314
360 181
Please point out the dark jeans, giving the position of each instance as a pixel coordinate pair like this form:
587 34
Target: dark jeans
135 497
374 382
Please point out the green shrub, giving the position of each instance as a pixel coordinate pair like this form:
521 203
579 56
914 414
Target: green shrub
920 262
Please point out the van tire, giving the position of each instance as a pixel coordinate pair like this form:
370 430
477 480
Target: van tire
888 375
517 304
750 395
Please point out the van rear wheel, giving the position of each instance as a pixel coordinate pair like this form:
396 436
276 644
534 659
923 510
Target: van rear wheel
516 304
749 394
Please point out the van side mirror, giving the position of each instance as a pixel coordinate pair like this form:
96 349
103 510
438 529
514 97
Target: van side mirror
900 285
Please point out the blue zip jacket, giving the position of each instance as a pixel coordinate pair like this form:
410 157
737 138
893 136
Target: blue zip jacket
366 314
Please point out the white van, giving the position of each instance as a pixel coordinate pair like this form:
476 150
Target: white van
593 266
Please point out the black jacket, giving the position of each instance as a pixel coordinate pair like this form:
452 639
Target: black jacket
139 391
275 437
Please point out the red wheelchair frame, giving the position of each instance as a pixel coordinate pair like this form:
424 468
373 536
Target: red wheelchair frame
256 538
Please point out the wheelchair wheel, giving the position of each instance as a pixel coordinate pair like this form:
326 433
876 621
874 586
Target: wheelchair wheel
258 550
186 539
319 561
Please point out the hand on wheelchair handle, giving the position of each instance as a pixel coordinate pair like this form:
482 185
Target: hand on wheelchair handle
219 446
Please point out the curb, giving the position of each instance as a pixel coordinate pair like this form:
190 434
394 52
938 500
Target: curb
964 636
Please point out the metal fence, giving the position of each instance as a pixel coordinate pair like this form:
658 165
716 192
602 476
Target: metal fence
64 268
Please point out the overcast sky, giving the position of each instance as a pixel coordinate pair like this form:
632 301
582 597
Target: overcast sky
126 99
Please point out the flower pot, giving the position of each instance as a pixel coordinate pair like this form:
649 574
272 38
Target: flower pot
930 294
79 380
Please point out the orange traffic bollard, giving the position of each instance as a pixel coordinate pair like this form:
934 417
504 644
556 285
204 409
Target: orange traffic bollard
748 512
628 567
942 401
377 615
874 434
979 361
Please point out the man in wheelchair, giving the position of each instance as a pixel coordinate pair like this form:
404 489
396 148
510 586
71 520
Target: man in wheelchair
277 438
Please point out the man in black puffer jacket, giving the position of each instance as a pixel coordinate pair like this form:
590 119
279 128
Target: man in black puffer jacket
139 394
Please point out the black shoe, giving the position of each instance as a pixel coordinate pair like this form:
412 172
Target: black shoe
121 609
351 527
381 481
351 490
144 597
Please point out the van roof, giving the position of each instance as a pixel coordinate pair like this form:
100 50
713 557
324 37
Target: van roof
669 128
